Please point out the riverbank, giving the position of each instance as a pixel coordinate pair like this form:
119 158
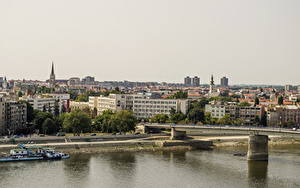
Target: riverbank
158 143
121 146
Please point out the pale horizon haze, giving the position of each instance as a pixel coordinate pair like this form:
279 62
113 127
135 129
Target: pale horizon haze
249 41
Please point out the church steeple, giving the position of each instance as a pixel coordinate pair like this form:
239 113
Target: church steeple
52 76
212 82
52 69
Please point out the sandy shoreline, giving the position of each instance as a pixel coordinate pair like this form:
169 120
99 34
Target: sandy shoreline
158 145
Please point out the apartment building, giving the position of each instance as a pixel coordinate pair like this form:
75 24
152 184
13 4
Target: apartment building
41 104
2 116
250 114
224 82
142 105
216 110
63 99
147 108
114 102
284 116
15 116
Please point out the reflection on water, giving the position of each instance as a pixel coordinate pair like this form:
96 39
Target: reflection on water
258 173
217 168
77 167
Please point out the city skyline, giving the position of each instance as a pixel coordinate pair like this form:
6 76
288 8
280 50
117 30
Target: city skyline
124 40
219 82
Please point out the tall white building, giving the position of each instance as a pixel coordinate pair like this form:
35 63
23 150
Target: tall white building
113 102
42 103
147 108
217 111
142 105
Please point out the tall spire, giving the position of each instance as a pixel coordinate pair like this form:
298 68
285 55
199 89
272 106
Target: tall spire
212 82
52 69
52 76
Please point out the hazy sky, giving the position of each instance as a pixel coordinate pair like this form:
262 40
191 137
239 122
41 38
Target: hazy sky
250 41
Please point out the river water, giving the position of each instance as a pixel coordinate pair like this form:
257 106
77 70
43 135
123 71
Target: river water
217 168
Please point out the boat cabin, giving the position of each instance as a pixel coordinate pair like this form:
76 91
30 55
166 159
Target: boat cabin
19 152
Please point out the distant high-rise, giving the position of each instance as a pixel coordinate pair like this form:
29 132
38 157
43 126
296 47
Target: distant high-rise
5 83
88 80
1 81
196 81
288 88
224 82
212 85
52 77
187 81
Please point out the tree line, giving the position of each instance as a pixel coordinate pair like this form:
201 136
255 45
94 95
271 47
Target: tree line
77 122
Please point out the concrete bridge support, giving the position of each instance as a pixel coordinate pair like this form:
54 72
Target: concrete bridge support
177 135
258 148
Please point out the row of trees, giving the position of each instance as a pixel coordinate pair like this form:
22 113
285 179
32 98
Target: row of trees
110 122
78 122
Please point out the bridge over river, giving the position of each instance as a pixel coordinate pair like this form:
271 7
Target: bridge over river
179 131
258 136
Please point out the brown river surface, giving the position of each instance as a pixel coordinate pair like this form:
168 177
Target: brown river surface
216 168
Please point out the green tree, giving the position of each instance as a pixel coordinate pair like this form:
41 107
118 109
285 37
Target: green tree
39 118
160 118
48 126
210 120
125 121
177 117
179 95
122 121
94 113
20 94
238 122
82 98
87 110
172 111
49 108
256 101
77 122
280 100
264 120
56 109
226 120
73 95
202 102
195 115
103 122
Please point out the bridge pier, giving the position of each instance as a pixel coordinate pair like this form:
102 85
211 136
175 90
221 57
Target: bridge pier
177 135
258 148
